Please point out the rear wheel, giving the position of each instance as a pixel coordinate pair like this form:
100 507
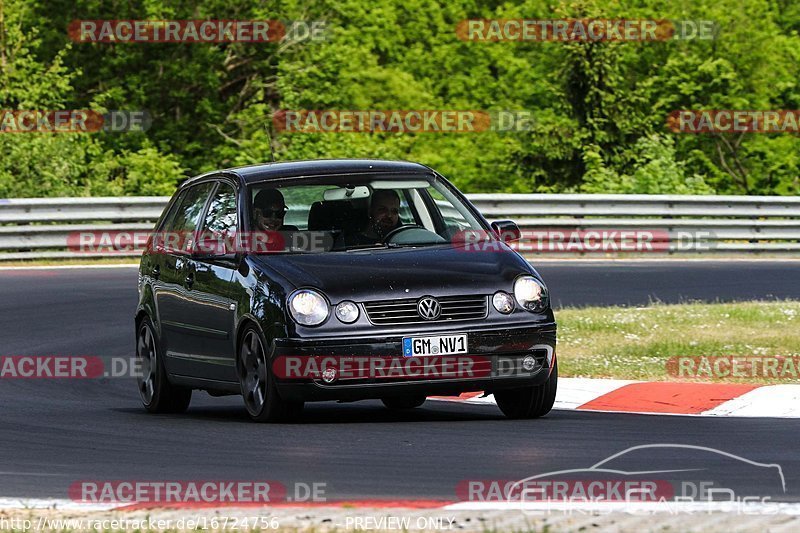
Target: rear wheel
404 402
261 398
157 393
529 402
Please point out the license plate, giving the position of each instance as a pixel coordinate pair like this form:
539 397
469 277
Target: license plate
439 345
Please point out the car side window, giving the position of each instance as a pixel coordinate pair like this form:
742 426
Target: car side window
179 232
170 216
453 219
221 218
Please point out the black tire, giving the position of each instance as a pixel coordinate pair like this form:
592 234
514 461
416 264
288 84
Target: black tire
158 395
404 402
261 397
529 402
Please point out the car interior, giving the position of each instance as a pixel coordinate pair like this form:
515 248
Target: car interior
342 212
343 215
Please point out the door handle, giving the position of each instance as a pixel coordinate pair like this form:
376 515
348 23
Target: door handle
156 271
189 281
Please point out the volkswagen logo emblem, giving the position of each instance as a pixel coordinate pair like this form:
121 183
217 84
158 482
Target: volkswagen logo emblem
429 308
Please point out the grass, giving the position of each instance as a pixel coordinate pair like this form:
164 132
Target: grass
637 343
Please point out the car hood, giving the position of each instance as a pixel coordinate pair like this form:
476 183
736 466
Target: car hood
401 272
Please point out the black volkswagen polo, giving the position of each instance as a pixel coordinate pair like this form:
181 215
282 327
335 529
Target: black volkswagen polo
338 280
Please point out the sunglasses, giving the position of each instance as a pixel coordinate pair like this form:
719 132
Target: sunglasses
270 213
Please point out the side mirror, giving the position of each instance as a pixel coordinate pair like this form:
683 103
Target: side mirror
506 230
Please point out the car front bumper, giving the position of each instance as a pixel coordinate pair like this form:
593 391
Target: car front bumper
495 357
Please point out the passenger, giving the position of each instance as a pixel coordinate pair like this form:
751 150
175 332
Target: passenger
269 211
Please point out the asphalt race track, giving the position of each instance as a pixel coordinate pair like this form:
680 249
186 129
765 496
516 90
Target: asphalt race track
58 432
577 283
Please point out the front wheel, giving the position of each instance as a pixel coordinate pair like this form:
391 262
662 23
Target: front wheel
261 398
529 402
157 393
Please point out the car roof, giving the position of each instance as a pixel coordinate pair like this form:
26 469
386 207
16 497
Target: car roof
320 167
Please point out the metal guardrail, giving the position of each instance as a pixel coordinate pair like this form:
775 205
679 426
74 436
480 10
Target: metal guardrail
750 224
38 228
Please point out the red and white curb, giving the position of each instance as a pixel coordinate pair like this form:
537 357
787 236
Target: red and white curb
668 398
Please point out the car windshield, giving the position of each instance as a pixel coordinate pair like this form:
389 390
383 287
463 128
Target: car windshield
348 213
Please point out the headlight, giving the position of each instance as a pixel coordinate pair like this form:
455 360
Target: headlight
308 307
530 294
347 312
503 302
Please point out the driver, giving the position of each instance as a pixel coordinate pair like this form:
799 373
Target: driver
384 216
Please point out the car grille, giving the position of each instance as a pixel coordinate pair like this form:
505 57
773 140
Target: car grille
388 312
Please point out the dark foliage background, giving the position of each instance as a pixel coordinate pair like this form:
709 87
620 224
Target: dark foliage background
599 109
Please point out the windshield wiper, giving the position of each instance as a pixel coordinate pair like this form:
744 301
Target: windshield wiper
376 246
388 245
414 244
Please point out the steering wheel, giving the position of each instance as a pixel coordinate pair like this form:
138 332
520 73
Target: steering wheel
399 229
